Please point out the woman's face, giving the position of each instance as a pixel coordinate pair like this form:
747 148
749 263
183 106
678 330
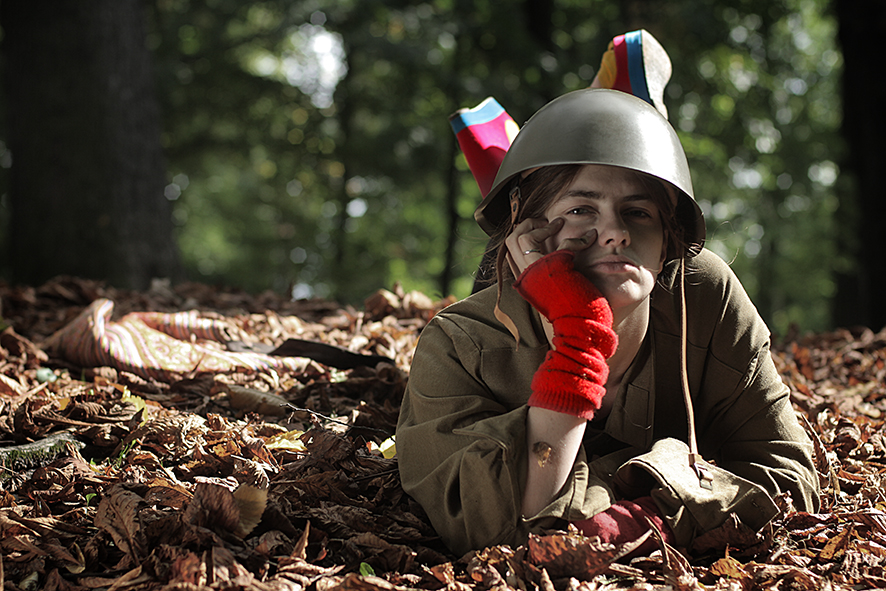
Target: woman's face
611 206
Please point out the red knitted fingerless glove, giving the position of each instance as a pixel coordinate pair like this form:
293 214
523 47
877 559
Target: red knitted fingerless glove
624 522
572 378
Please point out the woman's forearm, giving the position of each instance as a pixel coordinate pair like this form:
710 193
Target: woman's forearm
553 439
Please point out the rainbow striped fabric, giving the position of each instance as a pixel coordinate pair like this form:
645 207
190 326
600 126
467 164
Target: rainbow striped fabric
484 134
622 66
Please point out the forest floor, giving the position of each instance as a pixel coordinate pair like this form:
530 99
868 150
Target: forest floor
247 481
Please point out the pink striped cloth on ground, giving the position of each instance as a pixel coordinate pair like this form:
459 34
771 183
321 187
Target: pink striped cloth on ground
160 346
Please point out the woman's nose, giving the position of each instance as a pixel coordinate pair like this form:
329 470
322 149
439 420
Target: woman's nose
611 231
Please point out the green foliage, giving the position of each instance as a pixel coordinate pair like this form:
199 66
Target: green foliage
309 147
121 457
760 118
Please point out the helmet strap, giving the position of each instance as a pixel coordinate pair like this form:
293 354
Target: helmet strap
515 197
500 314
705 479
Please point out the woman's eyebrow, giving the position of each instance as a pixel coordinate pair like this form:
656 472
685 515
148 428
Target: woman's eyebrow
638 197
589 194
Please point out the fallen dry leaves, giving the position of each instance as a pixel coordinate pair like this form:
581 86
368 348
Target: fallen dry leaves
111 481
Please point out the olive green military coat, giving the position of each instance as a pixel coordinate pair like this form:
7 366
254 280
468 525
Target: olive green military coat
461 438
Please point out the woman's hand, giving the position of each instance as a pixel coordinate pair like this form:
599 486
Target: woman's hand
532 239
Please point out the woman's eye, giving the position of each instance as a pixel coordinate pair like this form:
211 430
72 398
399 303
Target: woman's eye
639 213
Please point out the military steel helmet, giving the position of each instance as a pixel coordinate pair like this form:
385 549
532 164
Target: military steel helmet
598 126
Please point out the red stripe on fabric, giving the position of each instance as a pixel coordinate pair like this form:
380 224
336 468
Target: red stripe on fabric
622 73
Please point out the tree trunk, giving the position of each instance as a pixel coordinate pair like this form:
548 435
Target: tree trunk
859 298
452 218
87 178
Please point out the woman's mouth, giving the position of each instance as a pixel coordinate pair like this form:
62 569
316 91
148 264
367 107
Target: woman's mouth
613 264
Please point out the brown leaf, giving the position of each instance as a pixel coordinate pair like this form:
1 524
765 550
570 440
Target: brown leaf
131 579
344 521
805 524
22 543
355 582
55 582
297 569
300 550
188 569
730 568
213 507
49 526
327 446
790 577
167 496
10 524
390 557
251 502
732 534
272 542
381 303
444 573
873 518
836 545
118 515
72 559
574 555
11 387
223 567
19 346
677 570
483 571
545 584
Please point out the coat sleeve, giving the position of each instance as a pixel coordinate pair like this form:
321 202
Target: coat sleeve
743 414
761 437
754 427
745 421
461 447
758 451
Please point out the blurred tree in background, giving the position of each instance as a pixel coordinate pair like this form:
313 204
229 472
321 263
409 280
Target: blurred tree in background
309 149
86 182
861 279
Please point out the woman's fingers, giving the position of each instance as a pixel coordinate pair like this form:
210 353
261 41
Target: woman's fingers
526 244
579 243
530 241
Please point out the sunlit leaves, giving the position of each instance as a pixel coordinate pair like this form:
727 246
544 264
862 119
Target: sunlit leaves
724 105
760 114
